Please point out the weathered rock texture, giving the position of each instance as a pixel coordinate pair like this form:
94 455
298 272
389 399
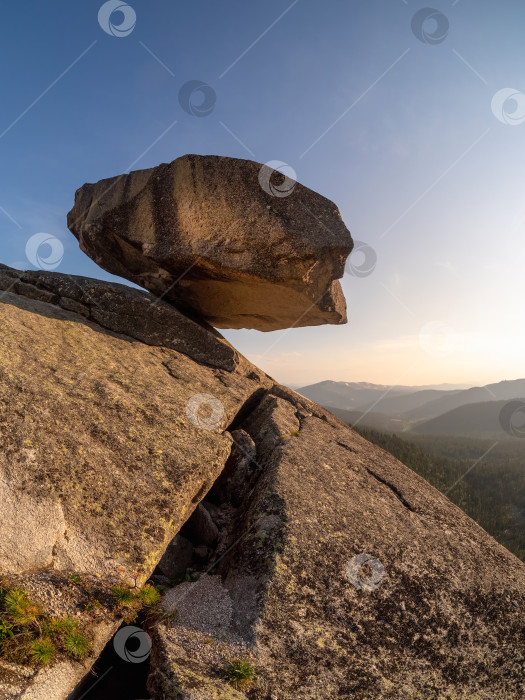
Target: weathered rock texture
124 310
203 233
437 613
95 428
102 462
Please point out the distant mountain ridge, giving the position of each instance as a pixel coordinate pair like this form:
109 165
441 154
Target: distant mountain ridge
501 391
418 409
363 396
473 420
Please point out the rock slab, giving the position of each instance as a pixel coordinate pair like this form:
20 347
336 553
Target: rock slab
349 577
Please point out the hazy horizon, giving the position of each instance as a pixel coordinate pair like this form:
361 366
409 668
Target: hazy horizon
443 385
344 381
411 127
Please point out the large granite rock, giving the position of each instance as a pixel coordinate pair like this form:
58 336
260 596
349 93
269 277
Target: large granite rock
103 453
206 233
102 432
336 569
348 576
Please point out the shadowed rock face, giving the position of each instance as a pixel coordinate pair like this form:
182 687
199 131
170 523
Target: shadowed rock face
205 233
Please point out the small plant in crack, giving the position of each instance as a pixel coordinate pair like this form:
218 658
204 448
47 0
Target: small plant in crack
123 595
19 608
66 633
61 626
92 604
149 595
134 601
6 629
239 673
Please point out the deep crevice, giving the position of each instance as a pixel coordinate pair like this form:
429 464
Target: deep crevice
247 408
206 542
112 676
208 533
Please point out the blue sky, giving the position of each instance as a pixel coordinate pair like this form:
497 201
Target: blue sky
398 132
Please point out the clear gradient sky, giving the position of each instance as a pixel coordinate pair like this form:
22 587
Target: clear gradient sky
400 132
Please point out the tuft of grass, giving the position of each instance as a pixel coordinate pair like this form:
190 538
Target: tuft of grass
75 578
63 625
6 629
123 595
29 636
240 673
20 608
42 651
76 645
133 601
149 595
